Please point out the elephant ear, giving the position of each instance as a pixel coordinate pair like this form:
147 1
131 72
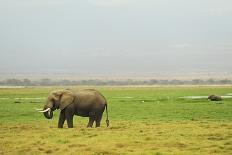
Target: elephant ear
56 95
66 99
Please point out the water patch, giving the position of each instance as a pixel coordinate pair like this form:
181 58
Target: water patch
23 98
4 98
226 96
123 97
194 97
200 97
30 98
12 86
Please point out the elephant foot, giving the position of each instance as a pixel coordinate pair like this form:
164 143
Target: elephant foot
70 126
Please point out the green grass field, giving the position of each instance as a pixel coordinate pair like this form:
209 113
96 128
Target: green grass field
143 120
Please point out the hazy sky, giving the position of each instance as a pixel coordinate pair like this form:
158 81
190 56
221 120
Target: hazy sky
115 36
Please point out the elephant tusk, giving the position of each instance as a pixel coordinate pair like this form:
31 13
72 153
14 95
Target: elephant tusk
45 110
39 109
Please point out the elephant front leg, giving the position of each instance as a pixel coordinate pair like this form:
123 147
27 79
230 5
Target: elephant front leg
69 113
70 121
61 119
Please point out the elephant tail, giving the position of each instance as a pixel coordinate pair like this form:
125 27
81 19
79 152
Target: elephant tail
107 119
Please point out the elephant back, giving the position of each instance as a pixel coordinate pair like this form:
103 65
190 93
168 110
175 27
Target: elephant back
89 97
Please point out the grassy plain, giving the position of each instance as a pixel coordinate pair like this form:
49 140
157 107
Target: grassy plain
143 120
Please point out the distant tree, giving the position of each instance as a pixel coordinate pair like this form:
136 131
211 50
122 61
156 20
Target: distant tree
45 82
197 81
65 82
225 81
153 81
176 82
13 82
27 82
164 82
210 81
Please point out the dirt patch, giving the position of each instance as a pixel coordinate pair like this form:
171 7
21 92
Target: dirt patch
120 145
76 145
148 139
41 149
178 145
92 135
48 151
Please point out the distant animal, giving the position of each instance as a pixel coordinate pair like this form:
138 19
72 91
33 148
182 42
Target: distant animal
86 103
214 98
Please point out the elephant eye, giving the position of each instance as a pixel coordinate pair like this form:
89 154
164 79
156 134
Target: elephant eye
53 100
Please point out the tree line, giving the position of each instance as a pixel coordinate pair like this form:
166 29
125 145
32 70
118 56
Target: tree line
99 82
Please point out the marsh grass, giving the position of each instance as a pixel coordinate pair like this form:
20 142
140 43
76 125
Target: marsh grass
121 138
154 121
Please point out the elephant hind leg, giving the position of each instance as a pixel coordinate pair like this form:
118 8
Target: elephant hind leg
98 121
90 124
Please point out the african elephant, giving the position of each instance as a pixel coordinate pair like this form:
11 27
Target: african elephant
214 98
86 103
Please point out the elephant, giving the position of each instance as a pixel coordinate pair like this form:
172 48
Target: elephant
214 98
86 103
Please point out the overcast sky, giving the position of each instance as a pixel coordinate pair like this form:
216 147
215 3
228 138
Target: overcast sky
115 36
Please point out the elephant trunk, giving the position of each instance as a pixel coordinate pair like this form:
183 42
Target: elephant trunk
48 114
